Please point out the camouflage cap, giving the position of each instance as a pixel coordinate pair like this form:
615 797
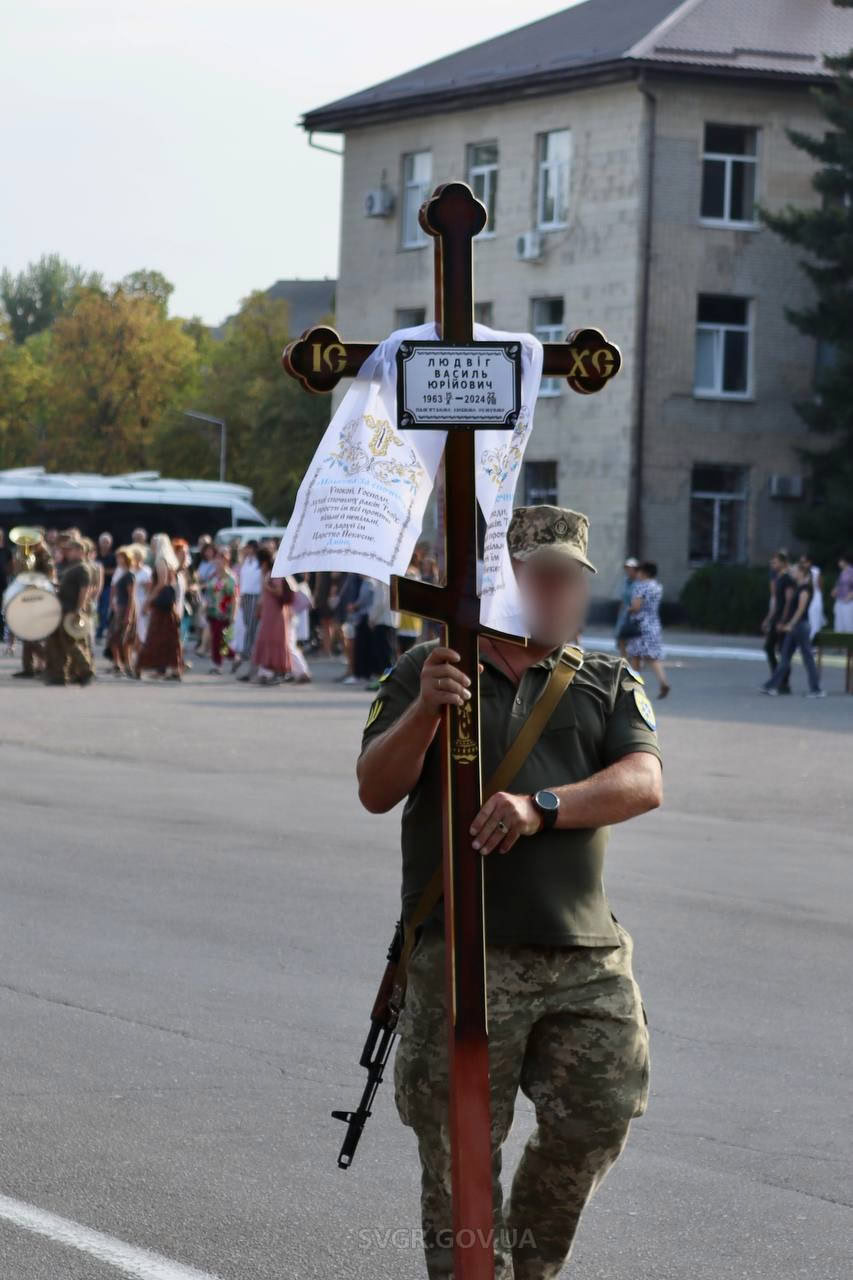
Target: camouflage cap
544 528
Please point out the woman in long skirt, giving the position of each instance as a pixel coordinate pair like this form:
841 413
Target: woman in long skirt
122 617
271 654
161 651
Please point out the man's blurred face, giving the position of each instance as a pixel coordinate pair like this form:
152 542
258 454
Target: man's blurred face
554 591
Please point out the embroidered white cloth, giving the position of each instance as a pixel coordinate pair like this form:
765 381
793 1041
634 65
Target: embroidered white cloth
361 503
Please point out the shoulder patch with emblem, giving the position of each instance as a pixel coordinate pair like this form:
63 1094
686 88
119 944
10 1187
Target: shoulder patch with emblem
645 708
386 673
375 708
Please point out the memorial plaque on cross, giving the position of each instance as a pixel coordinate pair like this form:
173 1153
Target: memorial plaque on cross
319 359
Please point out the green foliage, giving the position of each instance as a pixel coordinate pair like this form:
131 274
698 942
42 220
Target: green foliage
96 378
729 598
36 297
273 426
825 233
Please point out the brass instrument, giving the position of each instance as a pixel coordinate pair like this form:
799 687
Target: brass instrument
30 603
26 537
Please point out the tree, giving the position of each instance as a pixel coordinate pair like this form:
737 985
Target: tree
118 365
273 427
826 234
148 284
39 295
24 382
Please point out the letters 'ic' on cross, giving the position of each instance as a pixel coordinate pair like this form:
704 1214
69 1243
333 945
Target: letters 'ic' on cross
319 360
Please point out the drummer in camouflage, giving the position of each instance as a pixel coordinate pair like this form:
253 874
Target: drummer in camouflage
67 655
567 1024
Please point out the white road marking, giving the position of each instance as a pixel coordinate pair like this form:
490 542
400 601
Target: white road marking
142 1264
739 652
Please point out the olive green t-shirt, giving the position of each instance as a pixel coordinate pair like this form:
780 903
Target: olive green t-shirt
549 889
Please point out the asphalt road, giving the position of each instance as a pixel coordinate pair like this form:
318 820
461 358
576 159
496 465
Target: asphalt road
194 913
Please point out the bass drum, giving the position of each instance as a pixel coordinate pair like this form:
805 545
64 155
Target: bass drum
31 607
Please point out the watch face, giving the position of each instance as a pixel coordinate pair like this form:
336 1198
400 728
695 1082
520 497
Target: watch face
547 800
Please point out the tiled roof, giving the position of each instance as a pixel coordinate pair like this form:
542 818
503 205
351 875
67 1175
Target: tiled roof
615 38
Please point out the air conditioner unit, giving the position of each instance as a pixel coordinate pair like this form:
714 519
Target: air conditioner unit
786 486
378 203
529 246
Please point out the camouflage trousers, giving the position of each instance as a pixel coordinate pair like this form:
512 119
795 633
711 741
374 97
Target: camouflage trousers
568 1027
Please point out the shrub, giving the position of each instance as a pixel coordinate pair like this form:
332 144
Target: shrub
730 598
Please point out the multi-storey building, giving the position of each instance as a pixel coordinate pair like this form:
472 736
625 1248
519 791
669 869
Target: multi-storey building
622 148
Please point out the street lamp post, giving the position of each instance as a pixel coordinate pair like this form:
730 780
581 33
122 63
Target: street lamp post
215 422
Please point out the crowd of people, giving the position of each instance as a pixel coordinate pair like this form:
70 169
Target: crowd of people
795 614
157 607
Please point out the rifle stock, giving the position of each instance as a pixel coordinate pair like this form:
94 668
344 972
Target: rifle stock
376 1052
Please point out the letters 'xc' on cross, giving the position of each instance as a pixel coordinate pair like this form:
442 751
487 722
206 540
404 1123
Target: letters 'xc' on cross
453 216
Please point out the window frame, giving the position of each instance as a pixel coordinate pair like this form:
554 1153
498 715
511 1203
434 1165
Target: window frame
529 499
398 324
718 392
541 166
737 224
408 185
549 387
718 497
490 173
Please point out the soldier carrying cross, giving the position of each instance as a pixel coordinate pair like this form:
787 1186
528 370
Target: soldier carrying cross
566 1020
518 973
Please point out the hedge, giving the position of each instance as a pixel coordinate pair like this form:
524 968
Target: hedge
729 598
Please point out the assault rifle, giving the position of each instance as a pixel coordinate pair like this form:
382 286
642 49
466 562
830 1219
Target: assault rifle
376 1051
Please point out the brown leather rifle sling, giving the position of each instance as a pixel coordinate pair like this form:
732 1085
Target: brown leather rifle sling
565 669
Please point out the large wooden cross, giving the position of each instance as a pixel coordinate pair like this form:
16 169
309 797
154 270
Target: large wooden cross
319 360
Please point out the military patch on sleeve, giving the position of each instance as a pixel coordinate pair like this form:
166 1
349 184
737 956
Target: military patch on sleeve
645 708
375 708
386 673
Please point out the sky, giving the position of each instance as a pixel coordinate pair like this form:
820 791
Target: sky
165 134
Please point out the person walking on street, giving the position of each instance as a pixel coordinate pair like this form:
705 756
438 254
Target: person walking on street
250 583
779 609
107 561
67 655
122 623
567 1024
817 618
842 594
647 647
220 593
362 640
796 636
626 623
162 650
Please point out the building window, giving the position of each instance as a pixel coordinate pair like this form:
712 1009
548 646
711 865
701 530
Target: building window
417 179
483 178
484 313
547 321
723 339
540 483
729 165
717 514
408 317
555 150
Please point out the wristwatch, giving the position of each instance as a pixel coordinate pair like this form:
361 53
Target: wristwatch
548 805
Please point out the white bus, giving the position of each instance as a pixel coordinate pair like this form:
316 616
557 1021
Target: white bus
119 504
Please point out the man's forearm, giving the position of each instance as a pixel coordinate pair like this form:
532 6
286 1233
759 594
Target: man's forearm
631 786
390 766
